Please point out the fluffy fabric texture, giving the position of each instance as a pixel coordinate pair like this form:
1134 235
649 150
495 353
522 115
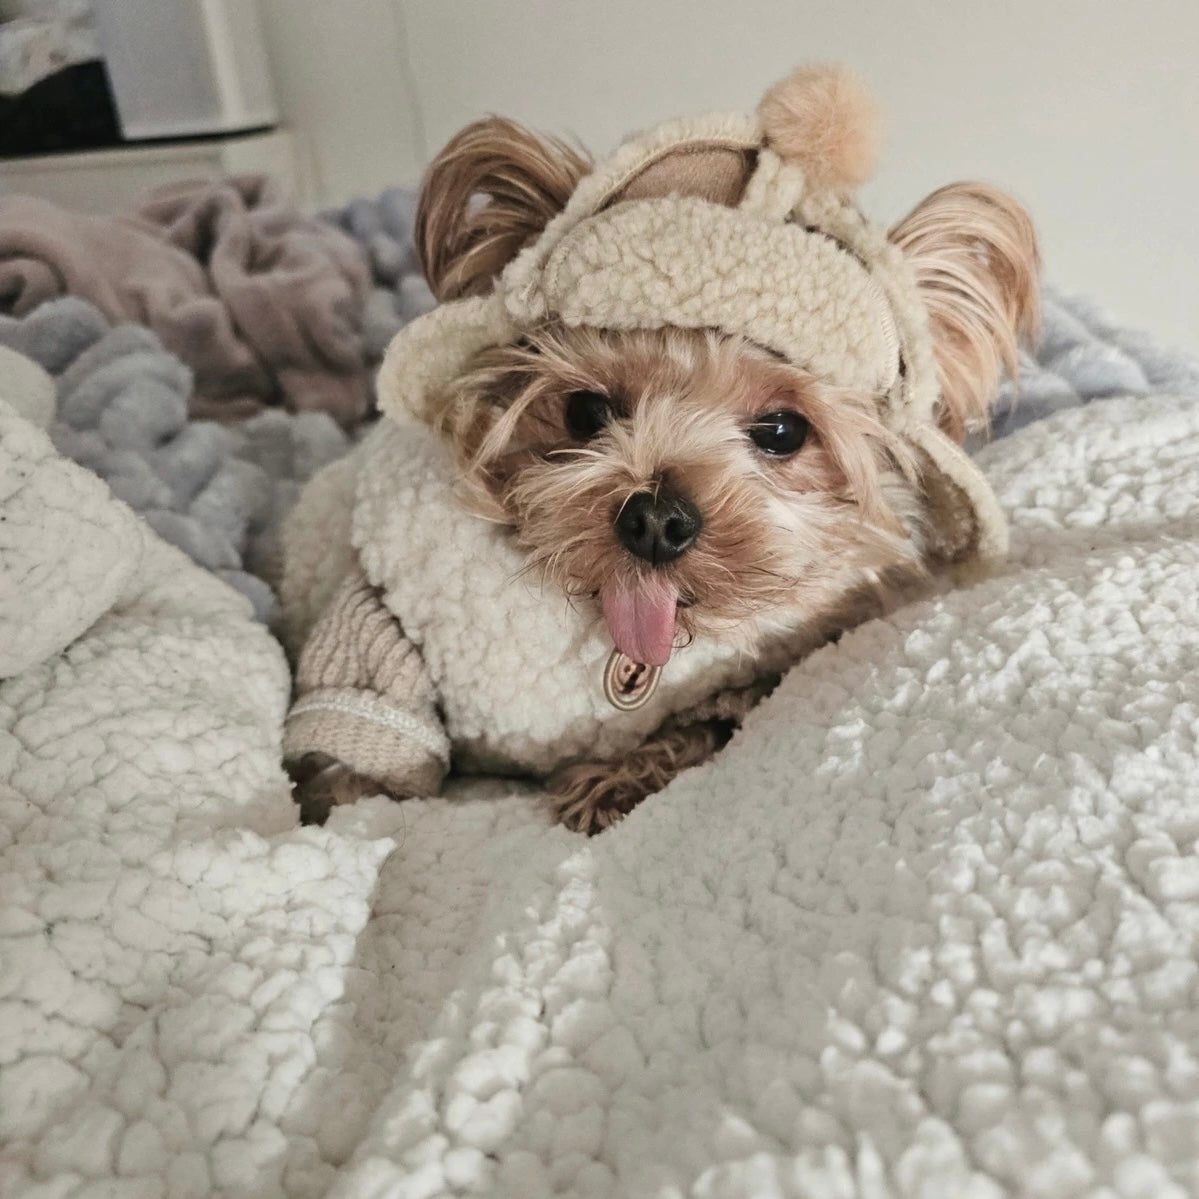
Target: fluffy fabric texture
218 493
67 551
925 927
167 938
815 303
29 387
264 304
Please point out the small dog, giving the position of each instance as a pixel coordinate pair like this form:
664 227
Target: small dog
690 482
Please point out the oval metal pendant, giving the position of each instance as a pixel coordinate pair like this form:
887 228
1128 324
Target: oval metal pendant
629 684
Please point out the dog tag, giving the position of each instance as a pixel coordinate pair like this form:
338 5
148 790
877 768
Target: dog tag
629 684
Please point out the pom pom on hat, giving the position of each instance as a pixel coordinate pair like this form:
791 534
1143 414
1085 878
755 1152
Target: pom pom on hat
824 120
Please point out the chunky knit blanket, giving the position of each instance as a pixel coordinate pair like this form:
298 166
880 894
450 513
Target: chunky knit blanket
218 492
383 229
1084 354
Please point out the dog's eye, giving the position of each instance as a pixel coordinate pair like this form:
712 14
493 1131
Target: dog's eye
587 412
779 434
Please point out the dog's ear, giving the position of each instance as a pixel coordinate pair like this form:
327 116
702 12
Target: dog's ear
974 253
488 194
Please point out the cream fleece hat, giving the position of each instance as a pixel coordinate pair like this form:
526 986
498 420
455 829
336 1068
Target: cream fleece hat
743 224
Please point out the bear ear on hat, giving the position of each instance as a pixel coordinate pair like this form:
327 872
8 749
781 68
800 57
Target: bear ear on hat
707 170
822 119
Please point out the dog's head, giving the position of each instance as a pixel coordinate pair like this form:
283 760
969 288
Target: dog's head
690 479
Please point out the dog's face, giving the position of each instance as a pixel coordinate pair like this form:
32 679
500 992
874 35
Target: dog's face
692 483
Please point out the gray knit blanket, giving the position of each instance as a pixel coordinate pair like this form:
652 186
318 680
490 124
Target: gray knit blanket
383 228
1084 355
218 492
221 492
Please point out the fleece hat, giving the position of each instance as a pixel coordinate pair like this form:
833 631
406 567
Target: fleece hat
744 224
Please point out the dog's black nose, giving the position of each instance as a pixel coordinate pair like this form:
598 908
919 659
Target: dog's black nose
658 527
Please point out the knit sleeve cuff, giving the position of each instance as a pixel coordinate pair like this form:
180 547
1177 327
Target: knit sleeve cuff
408 754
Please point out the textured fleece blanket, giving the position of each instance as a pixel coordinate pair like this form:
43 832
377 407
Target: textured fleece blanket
926 928
264 304
152 882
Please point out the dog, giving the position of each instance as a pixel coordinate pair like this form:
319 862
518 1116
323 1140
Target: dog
682 481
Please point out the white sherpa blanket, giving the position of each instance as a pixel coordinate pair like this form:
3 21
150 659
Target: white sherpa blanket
927 927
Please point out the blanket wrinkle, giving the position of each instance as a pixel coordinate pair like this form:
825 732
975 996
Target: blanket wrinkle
264 304
167 935
65 553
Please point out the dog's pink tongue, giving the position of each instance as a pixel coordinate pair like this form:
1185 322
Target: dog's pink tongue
641 619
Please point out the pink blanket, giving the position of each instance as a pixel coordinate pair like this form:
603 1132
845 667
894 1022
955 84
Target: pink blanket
263 303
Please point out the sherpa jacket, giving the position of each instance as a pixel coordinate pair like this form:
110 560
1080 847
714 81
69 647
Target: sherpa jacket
436 645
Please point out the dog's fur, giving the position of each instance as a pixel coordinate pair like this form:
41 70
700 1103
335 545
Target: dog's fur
828 531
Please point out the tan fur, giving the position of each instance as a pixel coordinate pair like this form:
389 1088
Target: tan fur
974 253
778 534
822 118
592 796
321 783
484 197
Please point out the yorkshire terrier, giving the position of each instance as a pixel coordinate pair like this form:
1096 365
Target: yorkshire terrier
687 482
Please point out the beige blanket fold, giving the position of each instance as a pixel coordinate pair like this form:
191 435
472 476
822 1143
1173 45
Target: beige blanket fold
264 304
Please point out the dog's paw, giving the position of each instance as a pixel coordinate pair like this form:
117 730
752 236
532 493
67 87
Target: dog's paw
320 783
592 796
588 797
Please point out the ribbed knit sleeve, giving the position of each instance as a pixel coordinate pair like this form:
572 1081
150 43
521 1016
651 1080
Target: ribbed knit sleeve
365 698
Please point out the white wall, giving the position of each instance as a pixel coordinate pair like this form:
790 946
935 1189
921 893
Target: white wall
341 79
1088 110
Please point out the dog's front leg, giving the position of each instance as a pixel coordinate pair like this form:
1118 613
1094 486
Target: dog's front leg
590 796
